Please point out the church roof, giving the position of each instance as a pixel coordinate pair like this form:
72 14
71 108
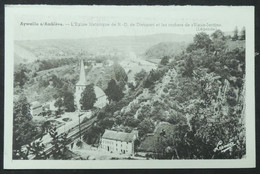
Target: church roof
82 78
101 97
119 136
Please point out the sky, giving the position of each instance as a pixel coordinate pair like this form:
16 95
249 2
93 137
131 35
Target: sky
98 21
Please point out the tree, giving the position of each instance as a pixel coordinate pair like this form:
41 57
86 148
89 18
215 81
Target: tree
57 82
189 67
165 60
64 141
21 75
242 34
37 149
235 34
144 112
93 134
65 98
191 47
218 45
46 127
113 91
88 97
200 41
140 76
59 103
146 126
55 143
101 114
69 101
177 119
23 127
218 34
58 143
120 73
218 41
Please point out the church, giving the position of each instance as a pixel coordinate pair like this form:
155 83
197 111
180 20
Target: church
81 85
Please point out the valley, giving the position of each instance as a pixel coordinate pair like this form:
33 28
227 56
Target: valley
163 96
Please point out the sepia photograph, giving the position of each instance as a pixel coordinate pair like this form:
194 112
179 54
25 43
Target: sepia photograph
109 84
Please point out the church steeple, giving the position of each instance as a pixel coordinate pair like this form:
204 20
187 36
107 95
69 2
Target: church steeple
82 78
81 85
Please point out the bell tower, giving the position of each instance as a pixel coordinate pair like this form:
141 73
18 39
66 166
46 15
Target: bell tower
81 85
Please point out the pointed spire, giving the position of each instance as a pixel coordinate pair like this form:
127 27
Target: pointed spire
82 78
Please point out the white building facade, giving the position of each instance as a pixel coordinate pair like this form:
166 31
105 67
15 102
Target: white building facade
118 142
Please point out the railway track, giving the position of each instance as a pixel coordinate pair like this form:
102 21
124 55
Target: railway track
73 134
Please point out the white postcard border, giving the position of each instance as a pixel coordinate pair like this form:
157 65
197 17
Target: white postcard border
249 161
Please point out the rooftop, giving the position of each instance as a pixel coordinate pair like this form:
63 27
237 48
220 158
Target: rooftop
119 136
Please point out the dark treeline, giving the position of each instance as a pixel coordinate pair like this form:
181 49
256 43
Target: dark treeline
54 63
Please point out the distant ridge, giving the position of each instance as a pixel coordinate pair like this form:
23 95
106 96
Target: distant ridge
107 45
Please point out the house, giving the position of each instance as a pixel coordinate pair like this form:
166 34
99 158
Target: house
38 108
118 142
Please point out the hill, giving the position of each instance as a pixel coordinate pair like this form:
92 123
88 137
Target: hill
200 94
23 55
162 49
118 46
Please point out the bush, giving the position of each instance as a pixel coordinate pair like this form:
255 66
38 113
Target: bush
79 143
154 76
67 119
165 90
177 119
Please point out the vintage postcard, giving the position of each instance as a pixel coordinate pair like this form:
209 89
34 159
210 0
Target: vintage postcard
99 87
